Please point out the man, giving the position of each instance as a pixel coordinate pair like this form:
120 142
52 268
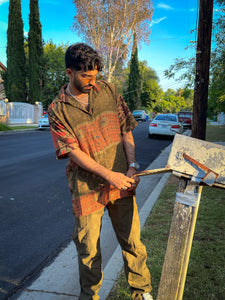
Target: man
92 126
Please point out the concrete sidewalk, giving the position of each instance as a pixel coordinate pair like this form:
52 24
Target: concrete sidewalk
60 280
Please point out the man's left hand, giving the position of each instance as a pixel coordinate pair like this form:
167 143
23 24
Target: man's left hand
131 173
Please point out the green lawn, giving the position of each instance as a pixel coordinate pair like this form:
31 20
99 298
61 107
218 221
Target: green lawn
215 133
206 271
4 127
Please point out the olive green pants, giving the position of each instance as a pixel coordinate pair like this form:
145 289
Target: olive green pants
125 220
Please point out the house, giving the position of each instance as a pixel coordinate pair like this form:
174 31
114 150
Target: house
2 89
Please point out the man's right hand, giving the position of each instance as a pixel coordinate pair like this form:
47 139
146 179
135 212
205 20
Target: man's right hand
119 180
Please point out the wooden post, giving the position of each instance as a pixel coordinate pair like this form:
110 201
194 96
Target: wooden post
202 69
179 246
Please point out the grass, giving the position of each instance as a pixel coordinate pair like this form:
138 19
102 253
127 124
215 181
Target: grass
215 133
206 272
22 127
4 127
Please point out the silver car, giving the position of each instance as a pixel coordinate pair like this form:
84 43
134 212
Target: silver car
165 124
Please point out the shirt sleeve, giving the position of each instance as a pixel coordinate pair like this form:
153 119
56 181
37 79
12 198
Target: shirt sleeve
64 142
127 121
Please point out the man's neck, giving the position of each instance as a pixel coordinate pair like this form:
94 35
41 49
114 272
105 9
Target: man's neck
80 97
75 92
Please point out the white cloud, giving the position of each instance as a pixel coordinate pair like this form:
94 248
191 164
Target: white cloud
164 6
3 1
157 21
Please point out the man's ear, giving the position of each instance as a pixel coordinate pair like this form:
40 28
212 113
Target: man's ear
69 72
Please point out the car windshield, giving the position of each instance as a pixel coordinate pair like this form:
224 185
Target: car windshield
166 118
185 116
45 116
137 112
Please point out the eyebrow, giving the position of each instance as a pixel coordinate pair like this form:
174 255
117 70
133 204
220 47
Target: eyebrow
87 75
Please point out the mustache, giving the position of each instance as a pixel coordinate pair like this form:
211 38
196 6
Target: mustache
89 85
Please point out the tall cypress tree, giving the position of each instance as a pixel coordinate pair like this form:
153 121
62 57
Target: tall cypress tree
15 79
134 80
35 60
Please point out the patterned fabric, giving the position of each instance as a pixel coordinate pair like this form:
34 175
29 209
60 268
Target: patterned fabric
98 133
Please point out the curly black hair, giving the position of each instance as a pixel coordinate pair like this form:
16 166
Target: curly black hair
80 56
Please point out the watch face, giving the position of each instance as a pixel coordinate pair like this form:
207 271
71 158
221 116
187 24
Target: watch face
135 165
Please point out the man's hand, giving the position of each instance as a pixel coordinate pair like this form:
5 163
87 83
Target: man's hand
131 173
120 181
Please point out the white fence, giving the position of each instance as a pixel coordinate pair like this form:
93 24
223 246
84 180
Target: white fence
19 112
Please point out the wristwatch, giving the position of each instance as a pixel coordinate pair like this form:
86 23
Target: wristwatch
134 165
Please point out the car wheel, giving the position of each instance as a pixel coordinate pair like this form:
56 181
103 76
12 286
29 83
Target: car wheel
150 136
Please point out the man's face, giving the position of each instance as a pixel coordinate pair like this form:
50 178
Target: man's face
84 81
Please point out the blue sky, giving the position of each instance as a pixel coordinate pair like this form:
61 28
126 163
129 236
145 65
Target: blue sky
171 27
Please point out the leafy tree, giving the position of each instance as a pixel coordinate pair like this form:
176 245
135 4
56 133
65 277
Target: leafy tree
188 95
216 101
35 60
134 82
151 92
110 26
15 76
171 102
54 71
185 67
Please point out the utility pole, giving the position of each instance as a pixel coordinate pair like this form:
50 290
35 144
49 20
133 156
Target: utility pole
202 69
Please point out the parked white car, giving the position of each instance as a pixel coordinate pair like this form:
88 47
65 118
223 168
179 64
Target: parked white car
165 124
43 123
139 115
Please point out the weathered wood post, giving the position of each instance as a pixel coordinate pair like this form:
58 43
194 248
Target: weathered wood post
179 243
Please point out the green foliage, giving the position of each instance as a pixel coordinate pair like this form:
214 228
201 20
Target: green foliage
35 60
150 91
54 71
188 95
185 67
171 102
134 83
216 101
152 97
151 94
15 76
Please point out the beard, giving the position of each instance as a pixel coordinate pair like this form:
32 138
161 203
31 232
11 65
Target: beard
84 89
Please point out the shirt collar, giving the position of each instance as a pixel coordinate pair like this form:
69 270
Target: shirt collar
63 97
